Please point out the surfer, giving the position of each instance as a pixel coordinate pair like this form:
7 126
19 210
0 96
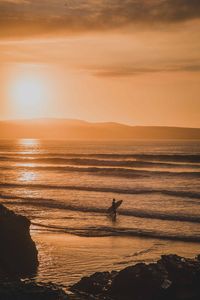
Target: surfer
114 208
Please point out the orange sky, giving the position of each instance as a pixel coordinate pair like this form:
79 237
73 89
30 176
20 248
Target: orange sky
131 61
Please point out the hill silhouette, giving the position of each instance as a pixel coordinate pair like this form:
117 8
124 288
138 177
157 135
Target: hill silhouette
78 129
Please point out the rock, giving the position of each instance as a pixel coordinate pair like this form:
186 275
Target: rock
139 282
198 257
181 270
184 275
96 284
18 253
171 278
31 291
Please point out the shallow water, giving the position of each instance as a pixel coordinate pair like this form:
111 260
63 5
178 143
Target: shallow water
66 187
64 258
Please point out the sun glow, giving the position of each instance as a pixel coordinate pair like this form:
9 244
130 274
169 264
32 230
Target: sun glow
28 91
29 94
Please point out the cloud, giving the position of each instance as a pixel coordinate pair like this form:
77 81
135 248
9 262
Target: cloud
129 71
29 17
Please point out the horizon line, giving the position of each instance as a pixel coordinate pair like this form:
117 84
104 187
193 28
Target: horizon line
92 122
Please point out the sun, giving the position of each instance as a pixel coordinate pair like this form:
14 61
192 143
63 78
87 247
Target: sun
29 95
28 91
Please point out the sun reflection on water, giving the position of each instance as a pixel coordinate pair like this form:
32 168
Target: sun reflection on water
27 176
28 146
29 142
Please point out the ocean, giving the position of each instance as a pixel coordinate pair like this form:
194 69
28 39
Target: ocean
66 187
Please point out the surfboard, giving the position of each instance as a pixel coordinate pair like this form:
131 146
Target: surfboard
117 205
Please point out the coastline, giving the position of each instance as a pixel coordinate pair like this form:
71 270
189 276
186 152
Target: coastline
172 277
164 276
65 258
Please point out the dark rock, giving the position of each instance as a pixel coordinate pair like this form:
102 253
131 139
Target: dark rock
184 275
181 270
31 291
171 278
18 253
198 257
139 282
97 283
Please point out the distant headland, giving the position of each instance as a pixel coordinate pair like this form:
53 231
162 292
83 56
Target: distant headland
81 130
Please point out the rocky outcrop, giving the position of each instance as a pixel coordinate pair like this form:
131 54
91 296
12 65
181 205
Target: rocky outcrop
171 278
31 291
18 253
96 284
19 259
143 281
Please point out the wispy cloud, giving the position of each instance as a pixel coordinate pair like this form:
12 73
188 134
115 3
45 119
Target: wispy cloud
28 17
117 71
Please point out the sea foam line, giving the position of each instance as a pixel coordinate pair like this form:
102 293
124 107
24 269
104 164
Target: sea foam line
113 190
104 231
53 204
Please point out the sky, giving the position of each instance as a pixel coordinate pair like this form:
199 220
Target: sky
132 61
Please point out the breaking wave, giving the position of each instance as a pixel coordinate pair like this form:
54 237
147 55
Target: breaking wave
53 204
62 157
103 231
135 191
113 172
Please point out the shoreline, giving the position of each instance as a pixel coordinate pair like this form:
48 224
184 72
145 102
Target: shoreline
65 258
172 277
102 268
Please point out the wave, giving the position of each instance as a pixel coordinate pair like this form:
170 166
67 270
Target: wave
113 190
100 162
111 172
190 158
104 231
53 204
144 251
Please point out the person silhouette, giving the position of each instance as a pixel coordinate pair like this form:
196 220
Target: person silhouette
114 209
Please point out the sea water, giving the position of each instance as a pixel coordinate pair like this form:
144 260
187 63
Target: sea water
66 187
